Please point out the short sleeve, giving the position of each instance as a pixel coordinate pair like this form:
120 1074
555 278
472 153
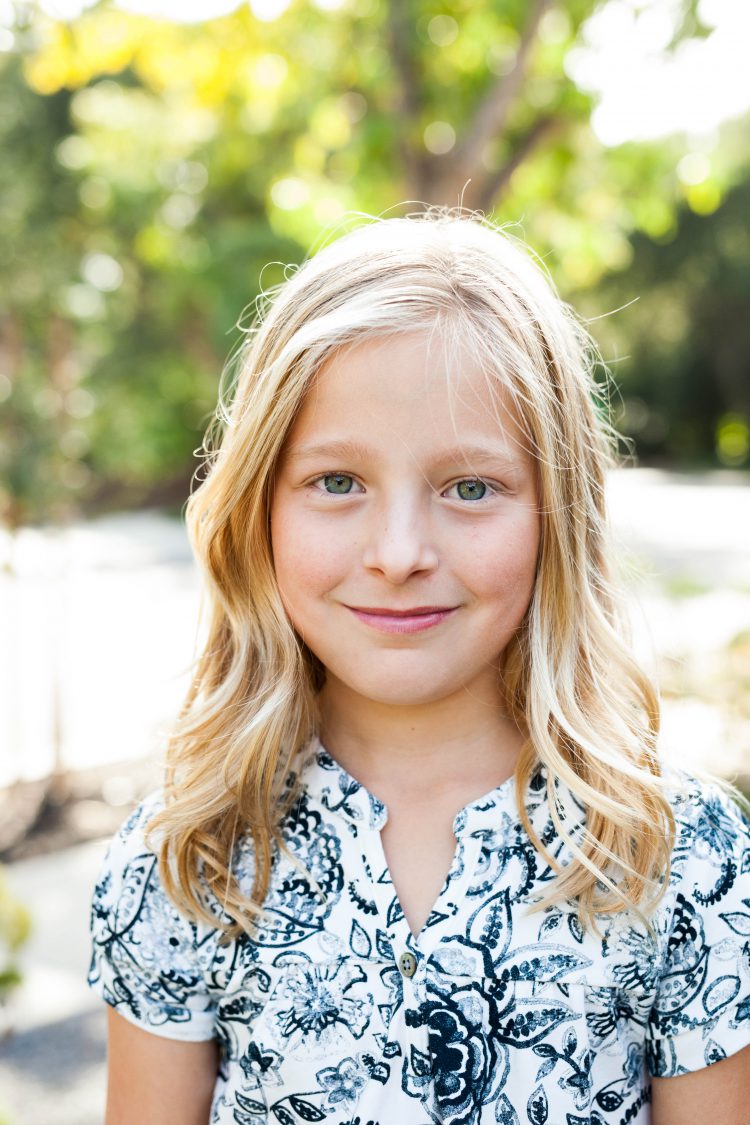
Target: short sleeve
702 1009
146 961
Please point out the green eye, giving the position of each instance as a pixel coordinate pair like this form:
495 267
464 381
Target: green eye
338 483
471 489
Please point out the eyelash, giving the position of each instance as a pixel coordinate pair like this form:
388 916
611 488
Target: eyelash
493 490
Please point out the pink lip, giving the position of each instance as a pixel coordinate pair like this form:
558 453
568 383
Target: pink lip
402 620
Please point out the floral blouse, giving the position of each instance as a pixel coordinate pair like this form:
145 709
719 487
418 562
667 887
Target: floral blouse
335 1012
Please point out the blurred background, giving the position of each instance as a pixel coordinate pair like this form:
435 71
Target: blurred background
163 161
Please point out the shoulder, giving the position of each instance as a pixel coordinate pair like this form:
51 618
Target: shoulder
130 876
149 961
128 890
710 863
702 1006
131 835
712 830
129 849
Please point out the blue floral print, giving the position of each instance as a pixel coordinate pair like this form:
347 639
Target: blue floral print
316 1008
509 1016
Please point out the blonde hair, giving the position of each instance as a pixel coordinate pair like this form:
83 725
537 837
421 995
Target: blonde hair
568 677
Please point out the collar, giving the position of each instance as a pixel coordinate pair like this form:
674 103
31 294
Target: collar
338 792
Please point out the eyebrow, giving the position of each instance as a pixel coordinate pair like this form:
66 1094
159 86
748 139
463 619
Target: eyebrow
346 449
353 450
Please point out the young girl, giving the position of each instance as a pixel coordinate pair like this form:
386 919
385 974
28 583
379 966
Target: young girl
416 858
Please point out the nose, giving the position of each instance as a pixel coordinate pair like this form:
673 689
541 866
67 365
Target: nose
400 541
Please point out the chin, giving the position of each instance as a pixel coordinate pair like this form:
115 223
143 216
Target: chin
399 694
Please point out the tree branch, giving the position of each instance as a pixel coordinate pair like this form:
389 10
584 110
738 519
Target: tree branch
408 100
493 184
492 116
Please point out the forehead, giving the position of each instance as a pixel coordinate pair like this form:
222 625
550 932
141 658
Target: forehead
422 383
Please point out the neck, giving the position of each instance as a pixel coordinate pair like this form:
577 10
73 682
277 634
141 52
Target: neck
454 749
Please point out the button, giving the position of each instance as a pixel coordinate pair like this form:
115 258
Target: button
407 963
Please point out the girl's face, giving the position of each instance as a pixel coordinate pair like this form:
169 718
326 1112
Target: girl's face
405 525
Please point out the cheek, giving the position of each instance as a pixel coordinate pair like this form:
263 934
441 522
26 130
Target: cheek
503 568
305 564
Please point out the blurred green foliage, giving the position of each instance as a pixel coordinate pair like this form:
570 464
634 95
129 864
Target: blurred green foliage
15 928
156 176
685 391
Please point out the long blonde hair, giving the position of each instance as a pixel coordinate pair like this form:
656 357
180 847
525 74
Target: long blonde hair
569 679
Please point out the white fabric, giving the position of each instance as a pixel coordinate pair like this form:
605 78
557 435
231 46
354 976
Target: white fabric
513 1017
